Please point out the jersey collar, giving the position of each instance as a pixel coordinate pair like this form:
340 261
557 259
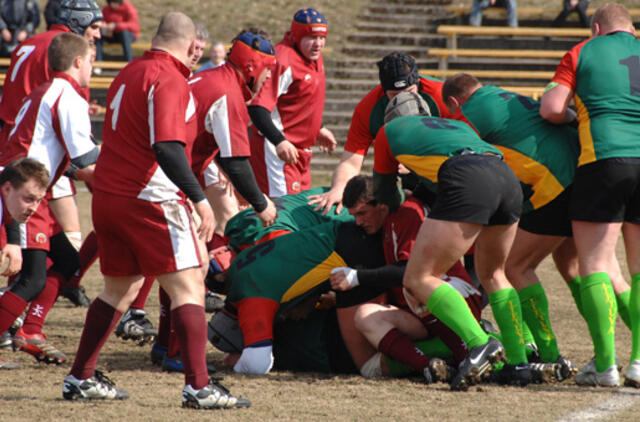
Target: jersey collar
158 54
71 80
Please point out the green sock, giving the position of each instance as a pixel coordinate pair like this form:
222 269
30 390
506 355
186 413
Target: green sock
599 305
622 300
527 336
535 311
634 312
446 304
508 314
434 348
574 287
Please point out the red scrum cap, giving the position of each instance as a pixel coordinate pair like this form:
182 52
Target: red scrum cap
252 51
308 22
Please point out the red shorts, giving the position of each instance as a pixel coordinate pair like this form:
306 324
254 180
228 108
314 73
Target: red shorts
142 237
274 177
35 233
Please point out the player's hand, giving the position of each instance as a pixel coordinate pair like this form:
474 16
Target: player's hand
207 222
12 253
344 278
85 174
269 214
287 152
326 200
326 141
326 300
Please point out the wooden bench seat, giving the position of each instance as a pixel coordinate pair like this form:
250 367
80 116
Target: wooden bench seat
522 11
491 74
452 32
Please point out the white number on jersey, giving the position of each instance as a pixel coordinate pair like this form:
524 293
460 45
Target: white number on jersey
115 106
23 53
20 116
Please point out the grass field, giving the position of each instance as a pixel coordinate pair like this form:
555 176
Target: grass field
34 392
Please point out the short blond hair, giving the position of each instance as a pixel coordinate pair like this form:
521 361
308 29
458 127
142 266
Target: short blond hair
612 17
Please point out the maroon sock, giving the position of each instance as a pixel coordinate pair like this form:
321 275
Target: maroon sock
143 294
173 349
191 332
164 322
399 347
42 304
11 307
100 321
88 254
448 336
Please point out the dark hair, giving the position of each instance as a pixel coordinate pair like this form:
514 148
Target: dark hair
21 170
358 188
459 86
64 49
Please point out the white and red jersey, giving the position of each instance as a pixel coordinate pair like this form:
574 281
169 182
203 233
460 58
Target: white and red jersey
148 102
29 68
221 96
295 95
53 126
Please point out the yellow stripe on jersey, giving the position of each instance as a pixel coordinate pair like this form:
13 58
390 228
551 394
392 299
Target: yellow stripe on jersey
587 150
425 166
315 276
544 184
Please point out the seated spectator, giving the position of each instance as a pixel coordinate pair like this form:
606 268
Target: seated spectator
570 6
121 25
51 12
18 21
475 17
217 56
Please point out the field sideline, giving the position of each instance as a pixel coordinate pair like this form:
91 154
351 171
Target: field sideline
34 392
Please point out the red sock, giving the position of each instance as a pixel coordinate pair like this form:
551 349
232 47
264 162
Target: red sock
174 346
447 335
100 321
42 304
191 332
164 322
143 294
11 307
88 255
399 347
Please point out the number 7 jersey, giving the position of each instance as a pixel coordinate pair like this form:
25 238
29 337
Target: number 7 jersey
604 74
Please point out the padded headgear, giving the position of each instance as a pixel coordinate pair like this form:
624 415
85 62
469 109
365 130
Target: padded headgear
308 22
406 104
397 71
252 50
224 333
78 15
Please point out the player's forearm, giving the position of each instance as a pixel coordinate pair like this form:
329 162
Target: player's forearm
350 165
386 276
172 159
242 178
261 119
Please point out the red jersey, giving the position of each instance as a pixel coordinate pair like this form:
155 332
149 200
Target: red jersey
295 95
125 17
223 119
148 102
53 126
29 68
368 116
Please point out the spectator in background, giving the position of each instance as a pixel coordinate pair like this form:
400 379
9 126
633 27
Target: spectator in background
51 12
121 25
217 56
475 17
18 21
570 6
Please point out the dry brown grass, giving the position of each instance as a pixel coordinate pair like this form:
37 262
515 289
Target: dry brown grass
34 392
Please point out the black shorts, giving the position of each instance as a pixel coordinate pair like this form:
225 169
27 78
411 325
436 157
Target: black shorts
607 191
551 219
477 188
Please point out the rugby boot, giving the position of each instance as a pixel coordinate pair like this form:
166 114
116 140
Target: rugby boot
135 325
211 396
38 346
477 362
99 387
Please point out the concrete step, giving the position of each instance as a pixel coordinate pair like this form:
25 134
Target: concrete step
370 62
341 104
396 18
418 2
393 38
353 94
404 27
352 84
425 10
337 116
379 51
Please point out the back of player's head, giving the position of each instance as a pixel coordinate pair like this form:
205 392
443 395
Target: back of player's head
21 170
78 15
397 71
308 22
406 104
612 17
358 188
175 28
459 86
63 50
252 52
